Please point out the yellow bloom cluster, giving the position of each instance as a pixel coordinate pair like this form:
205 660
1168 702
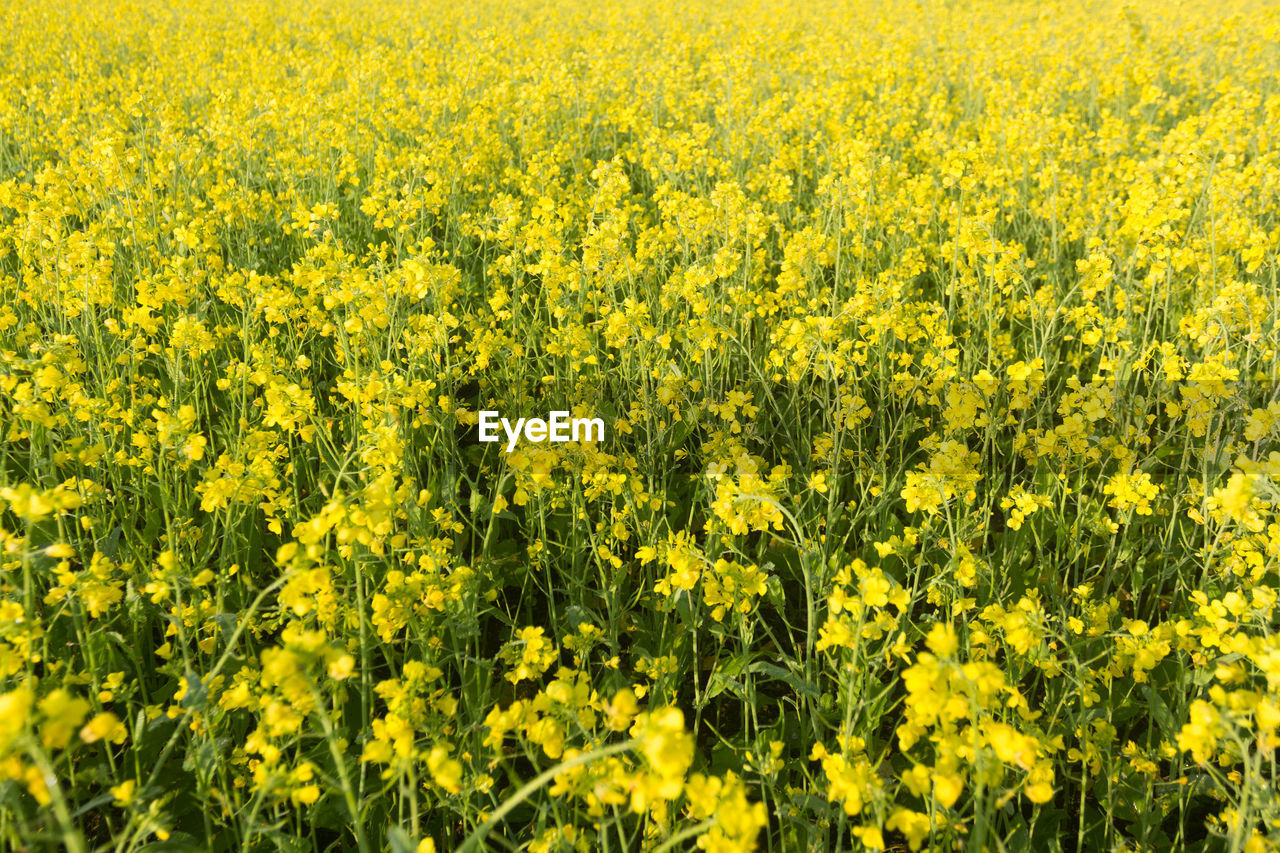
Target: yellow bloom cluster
936 345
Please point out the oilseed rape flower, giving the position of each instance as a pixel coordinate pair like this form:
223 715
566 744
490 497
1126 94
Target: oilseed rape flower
929 352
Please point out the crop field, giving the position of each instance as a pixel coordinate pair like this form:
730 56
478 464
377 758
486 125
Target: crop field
558 425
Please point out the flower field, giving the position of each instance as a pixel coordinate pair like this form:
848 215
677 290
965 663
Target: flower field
935 345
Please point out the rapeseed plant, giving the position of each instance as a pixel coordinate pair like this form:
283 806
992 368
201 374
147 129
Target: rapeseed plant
938 500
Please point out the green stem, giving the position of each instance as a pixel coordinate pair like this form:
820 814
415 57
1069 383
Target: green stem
476 838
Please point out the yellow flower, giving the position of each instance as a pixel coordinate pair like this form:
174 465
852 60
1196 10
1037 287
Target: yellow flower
341 667
1200 736
124 792
15 713
445 771
305 795
104 725
914 825
870 836
62 715
947 788
942 640
1040 792
664 742
621 711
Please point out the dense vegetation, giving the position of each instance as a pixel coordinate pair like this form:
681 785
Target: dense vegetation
939 502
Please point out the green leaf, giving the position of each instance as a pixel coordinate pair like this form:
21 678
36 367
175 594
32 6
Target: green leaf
1160 710
399 841
798 684
197 696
